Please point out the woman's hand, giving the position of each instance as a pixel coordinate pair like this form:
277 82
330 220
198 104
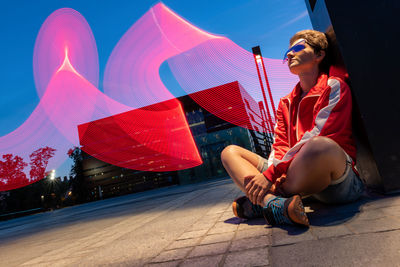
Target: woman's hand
256 188
276 188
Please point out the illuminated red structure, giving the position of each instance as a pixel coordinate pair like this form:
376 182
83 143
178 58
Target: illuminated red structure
154 138
119 163
259 61
232 103
157 137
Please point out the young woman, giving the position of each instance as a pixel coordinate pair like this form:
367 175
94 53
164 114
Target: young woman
313 151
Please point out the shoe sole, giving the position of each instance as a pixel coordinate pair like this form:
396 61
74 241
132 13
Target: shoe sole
236 206
296 212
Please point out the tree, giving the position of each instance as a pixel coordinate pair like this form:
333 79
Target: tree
11 170
39 160
76 155
79 185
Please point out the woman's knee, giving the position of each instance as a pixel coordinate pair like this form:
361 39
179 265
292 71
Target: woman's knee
229 152
325 152
321 146
234 154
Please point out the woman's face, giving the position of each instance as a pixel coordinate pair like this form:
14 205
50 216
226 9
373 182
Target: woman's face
304 60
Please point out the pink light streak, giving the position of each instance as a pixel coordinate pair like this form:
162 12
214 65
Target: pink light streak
66 72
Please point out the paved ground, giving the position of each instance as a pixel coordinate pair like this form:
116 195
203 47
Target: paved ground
194 226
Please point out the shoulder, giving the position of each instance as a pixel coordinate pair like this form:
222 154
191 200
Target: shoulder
337 90
336 83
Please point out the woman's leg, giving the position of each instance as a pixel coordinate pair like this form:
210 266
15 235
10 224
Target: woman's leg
319 162
240 163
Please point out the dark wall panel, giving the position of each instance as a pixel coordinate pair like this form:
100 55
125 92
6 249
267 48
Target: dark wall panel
368 36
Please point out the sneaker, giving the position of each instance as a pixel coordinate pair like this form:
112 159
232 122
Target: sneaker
280 210
243 208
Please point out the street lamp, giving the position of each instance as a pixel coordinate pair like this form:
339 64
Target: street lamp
52 174
261 69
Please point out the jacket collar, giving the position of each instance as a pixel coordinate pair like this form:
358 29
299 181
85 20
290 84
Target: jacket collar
316 90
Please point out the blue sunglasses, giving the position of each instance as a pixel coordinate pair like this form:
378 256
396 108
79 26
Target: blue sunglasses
295 48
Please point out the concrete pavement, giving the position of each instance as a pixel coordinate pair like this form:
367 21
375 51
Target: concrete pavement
194 226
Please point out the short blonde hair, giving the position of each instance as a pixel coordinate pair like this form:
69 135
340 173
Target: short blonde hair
315 39
318 41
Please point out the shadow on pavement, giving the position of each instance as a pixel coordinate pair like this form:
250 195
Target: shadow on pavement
235 220
329 215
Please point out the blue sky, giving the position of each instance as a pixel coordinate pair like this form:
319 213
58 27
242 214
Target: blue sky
268 23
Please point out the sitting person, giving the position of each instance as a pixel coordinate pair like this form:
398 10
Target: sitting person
313 151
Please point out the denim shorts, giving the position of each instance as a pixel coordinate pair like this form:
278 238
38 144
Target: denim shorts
346 189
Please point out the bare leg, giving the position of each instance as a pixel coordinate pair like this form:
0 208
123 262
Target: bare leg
320 161
239 163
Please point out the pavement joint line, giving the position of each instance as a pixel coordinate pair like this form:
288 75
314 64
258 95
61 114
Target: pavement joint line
377 232
248 249
396 218
351 229
150 260
222 262
202 256
269 248
391 217
329 237
198 243
366 207
334 237
289 244
373 232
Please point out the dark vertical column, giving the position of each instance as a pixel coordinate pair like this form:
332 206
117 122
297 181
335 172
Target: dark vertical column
368 36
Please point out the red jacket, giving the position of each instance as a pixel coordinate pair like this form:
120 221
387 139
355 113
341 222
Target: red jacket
324 111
